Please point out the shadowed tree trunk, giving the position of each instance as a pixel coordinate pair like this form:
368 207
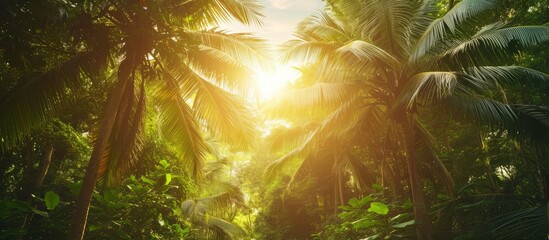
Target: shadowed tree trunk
423 223
543 178
80 217
45 165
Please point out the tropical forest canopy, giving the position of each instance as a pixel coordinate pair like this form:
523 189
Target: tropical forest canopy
403 119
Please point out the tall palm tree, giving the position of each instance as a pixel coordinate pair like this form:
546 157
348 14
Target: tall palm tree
159 49
380 64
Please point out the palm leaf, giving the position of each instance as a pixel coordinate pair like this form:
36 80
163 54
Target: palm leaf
224 114
360 51
179 125
496 41
335 121
131 135
322 27
223 71
32 101
244 48
202 14
428 87
532 124
384 23
426 151
449 24
318 98
225 228
298 51
508 75
529 223
470 216
479 110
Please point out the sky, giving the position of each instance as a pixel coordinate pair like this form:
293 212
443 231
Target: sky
281 18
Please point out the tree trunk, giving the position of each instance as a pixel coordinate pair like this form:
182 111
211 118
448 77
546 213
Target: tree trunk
543 178
423 223
80 217
45 166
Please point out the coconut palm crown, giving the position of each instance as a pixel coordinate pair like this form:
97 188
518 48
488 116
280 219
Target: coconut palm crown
374 66
167 51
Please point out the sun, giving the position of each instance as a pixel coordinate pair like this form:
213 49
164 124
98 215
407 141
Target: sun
273 81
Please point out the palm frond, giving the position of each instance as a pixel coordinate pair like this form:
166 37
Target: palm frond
179 125
428 87
300 52
529 223
127 141
224 71
508 75
421 20
32 101
334 122
225 228
494 41
468 216
426 151
449 24
459 94
282 138
479 110
384 23
203 14
244 48
322 27
360 51
532 124
225 115
320 97
362 174
245 11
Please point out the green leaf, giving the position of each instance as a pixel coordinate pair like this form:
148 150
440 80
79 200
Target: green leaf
400 217
123 235
365 200
75 187
404 224
443 197
109 196
354 203
407 205
345 215
377 187
94 228
168 179
41 213
147 180
164 163
379 208
161 220
52 200
365 223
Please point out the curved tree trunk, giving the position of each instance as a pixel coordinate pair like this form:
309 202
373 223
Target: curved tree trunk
423 223
45 165
80 217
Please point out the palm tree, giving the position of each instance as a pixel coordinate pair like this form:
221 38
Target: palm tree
158 49
381 64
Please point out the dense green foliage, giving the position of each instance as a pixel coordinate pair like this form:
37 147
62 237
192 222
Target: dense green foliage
138 119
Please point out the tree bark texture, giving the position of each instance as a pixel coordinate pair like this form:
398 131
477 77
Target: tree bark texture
423 223
80 217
